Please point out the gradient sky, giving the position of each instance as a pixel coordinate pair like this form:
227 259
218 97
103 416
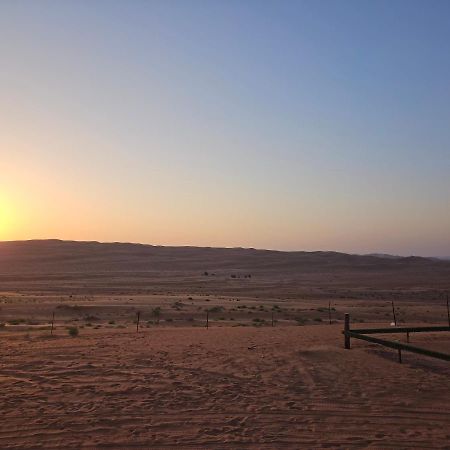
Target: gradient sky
295 125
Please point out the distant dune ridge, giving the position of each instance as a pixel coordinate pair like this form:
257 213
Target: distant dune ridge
58 256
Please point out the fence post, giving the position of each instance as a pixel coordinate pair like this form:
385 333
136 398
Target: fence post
137 321
400 355
207 319
329 311
393 313
53 320
346 331
448 312
272 318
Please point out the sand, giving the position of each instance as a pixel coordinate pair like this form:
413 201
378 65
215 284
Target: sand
240 384
234 387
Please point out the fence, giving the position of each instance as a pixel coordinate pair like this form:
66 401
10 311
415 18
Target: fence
363 333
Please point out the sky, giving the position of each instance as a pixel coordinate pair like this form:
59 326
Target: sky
290 125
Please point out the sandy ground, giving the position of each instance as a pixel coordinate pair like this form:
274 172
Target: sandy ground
233 387
240 384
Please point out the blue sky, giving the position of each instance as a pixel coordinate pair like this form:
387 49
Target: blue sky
290 125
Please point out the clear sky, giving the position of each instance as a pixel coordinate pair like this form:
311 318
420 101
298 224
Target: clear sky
295 125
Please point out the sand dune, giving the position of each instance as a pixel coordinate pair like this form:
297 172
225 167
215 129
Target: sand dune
90 267
64 256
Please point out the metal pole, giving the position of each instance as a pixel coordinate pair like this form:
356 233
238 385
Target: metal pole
393 313
346 331
448 312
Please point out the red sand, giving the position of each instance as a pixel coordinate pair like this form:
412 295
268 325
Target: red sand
282 387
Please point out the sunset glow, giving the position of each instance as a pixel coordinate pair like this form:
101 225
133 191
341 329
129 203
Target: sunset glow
6 219
211 212
227 124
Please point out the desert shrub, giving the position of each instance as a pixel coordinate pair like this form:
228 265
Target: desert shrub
216 309
169 319
156 312
258 320
178 305
91 318
16 321
73 331
112 322
317 319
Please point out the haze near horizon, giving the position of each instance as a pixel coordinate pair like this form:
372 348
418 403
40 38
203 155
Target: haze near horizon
280 125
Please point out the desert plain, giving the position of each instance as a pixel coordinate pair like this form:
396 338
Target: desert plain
235 348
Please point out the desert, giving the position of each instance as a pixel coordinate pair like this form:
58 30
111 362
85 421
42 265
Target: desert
224 224
269 371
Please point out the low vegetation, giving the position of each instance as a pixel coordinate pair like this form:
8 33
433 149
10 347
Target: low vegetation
73 331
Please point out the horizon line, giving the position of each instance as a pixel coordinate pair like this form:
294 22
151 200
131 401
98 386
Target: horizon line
379 254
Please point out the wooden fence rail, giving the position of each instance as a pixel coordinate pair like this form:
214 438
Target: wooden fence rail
401 330
363 332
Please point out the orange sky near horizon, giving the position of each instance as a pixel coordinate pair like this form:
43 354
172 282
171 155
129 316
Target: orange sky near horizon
46 195
278 125
43 211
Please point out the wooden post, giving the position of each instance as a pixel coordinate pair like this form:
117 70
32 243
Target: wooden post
137 321
329 311
346 331
53 321
207 319
407 336
272 318
448 312
400 355
393 313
